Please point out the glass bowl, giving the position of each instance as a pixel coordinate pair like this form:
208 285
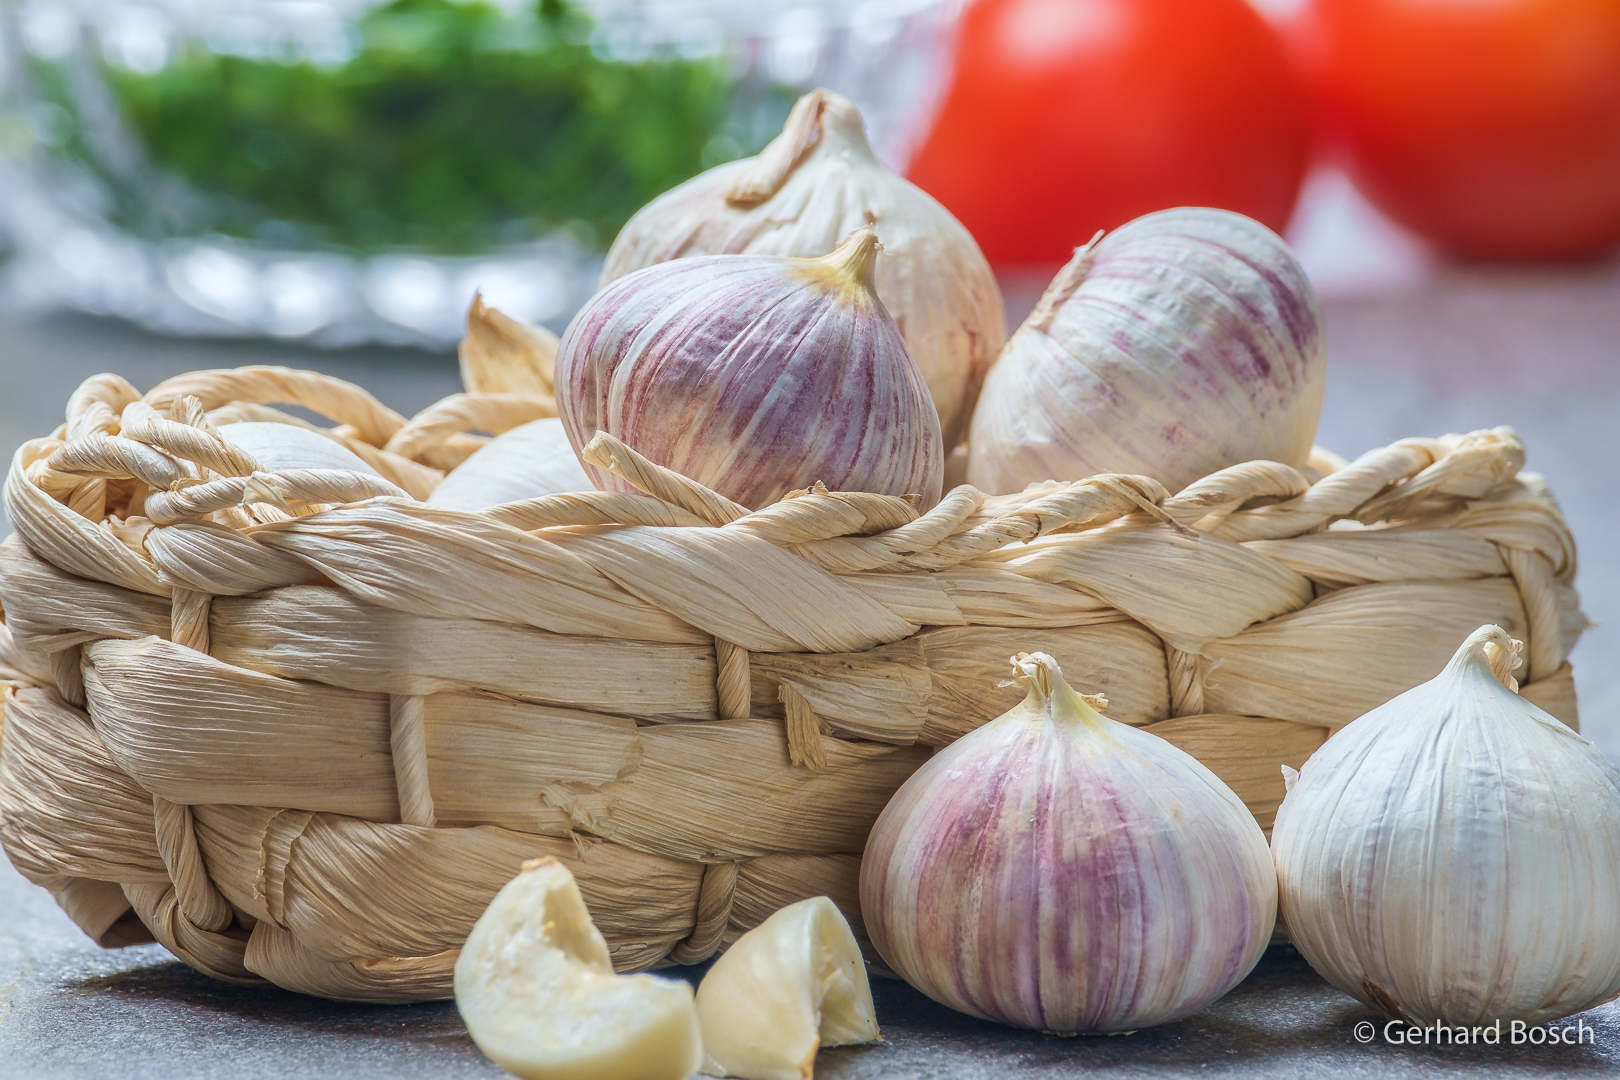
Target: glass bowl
134 182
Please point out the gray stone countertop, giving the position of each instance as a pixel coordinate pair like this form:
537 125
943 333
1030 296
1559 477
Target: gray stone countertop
1451 352
69 1010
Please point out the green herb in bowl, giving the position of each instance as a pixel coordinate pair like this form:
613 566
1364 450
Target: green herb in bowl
453 127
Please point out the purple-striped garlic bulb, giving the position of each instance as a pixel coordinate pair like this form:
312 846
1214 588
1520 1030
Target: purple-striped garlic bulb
754 375
1186 341
803 194
1062 871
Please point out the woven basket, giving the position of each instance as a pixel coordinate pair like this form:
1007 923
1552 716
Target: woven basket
297 727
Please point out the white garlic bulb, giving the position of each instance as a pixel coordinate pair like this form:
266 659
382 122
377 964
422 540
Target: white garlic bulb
279 447
811 187
1184 342
1058 870
531 460
1454 855
754 376
791 985
536 987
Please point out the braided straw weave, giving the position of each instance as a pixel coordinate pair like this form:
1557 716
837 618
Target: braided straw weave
300 727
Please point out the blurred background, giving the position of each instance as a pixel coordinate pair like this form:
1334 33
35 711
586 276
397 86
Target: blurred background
325 183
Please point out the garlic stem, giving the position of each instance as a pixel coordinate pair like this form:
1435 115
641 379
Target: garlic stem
1494 648
764 177
1051 690
1063 286
851 262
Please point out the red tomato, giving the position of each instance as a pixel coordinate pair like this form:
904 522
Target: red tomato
1492 127
1069 116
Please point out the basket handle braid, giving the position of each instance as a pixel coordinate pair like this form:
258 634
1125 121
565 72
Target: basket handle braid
96 404
607 452
197 442
285 490
333 398
1218 494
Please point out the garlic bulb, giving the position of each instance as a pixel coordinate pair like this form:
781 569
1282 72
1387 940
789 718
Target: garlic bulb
279 447
811 187
791 985
754 375
536 987
1187 341
530 460
1059 870
1453 856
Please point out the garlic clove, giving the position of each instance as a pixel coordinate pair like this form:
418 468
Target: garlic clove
1454 854
531 460
1058 870
754 376
816 183
537 990
279 447
1186 341
793 984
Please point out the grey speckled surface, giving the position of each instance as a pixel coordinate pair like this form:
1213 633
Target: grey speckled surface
70 1011
1463 350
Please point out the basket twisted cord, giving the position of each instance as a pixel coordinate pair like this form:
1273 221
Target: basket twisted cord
806 618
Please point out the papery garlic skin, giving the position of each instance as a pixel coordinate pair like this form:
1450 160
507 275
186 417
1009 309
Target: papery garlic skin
1186 341
1454 854
537 989
754 376
503 355
791 985
531 460
1058 870
817 182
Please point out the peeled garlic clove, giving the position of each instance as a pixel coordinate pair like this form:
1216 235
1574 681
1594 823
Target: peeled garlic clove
1058 870
279 447
754 376
529 461
1184 342
793 984
1454 854
536 987
814 184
